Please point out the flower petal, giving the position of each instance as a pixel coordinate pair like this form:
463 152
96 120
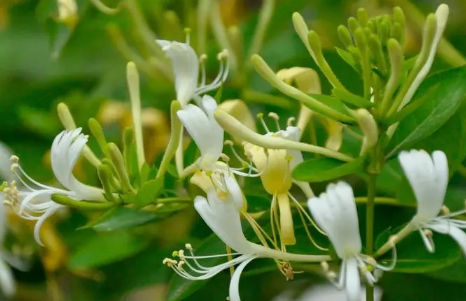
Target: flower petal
185 66
445 228
224 219
7 282
54 208
427 178
234 282
5 163
353 285
335 212
205 131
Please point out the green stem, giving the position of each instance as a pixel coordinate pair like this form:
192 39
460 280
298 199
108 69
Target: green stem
370 227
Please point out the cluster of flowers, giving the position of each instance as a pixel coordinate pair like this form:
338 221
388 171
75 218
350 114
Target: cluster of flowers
224 205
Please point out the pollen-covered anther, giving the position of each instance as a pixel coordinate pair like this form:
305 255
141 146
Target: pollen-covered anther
169 262
331 275
188 247
180 265
445 210
228 143
14 159
181 255
325 266
428 233
290 121
175 254
224 54
203 58
224 157
274 115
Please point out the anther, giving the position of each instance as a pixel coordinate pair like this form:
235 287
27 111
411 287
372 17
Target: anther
188 247
14 159
331 275
324 265
181 255
175 254
290 121
228 142
224 157
223 55
260 116
445 210
428 233
169 262
275 117
180 265
203 58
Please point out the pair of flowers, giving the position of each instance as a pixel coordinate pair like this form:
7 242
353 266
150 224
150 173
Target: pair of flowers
335 212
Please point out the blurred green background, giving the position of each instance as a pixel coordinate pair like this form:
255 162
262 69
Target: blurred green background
43 63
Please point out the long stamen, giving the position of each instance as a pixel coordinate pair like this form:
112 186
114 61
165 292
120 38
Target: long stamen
260 116
202 61
221 76
275 117
303 220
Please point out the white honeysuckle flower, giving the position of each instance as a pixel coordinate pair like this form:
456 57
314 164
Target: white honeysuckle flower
204 130
275 168
32 200
221 212
428 176
335 212
7 282
185 63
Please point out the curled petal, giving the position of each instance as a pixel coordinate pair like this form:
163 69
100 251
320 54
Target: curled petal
234 283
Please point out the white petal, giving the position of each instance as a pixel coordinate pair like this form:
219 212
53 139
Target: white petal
353 285
234 282
7 282
235 191
205 131
3 220
442 18
223 218
445 228
185 66
41 221
427 181
335 212
5 163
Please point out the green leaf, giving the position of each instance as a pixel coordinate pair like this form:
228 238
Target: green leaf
444 92
149 192
104 249
413 256
450 138
325 169
351 98
348 58
122 218
332 102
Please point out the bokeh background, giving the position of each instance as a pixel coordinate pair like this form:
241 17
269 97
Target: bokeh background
43 63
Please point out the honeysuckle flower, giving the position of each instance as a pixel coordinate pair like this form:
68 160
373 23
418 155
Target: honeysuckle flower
205 131
428 176
275 167
335 212
221 212
185 64
32 200
7 282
